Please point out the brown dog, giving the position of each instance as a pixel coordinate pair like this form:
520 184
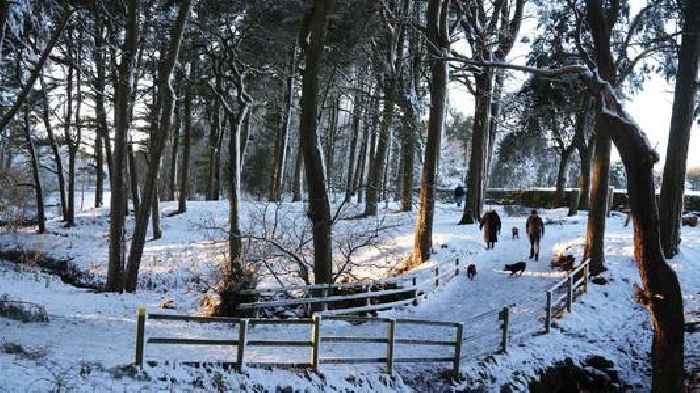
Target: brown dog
516 234
471 271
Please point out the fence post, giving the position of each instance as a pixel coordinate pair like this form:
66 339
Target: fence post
316 342
458 349
456 267
414 282
242 340
140 330
368 300
569 292
390 347
437 276
324 294
585 277
548 313
504 316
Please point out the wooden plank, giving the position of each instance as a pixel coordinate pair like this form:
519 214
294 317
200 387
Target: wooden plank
458 350
190 341
352 360
380 306
140 332
244 306
355 339
427 322
355 284
365 319
569 292
412 341
316 339
391 336
548 313
285 365
424 359
279 343
190 318
277 321
242 331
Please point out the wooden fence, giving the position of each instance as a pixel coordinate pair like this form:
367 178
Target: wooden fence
575 282
409 286
391 340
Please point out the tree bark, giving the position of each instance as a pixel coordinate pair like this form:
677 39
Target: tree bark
584 144
479 153
187 139
102 131
117 197
67 121
165 103
38 193
298 185
174 155
283 135
437 17
54 146
376 169
356 114
234 151
313 34
673 185
155 213
74 142
361 160
133 178
214 154
4 14
408 153
329 150
562 173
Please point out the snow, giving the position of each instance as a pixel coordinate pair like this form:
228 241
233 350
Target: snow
90 336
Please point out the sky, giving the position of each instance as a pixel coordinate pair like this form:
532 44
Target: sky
650 108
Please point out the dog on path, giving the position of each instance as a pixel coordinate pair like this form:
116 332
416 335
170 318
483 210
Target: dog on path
471 271
515 268
516 234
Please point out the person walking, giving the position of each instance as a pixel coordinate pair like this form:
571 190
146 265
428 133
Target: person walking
491 223
534 227
459 195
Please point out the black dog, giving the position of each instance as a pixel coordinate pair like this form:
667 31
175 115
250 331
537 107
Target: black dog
515 268
471 271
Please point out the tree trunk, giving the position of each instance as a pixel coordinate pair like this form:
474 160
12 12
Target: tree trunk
155 213
662 292
479 153
595 233
499 79
174 160
4 14
561 177
74 143
234 151
101 129
54 146
408 152
319 209
214 146
38 193
437 32
356 113
67 121
117 197
673 185
133 178
361 161
329 150
298 185
187 140
376 169
584 144
167 62
283 134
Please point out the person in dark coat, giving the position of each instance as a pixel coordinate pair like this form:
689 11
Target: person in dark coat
459 195
491 223
534 227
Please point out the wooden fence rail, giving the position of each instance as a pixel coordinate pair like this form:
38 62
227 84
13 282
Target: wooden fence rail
572 285
413 290
244 341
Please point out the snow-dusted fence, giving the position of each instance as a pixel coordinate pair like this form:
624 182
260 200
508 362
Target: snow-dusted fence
410 288
576 280
391 340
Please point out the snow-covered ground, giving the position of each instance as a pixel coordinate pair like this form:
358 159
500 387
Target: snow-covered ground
90 336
